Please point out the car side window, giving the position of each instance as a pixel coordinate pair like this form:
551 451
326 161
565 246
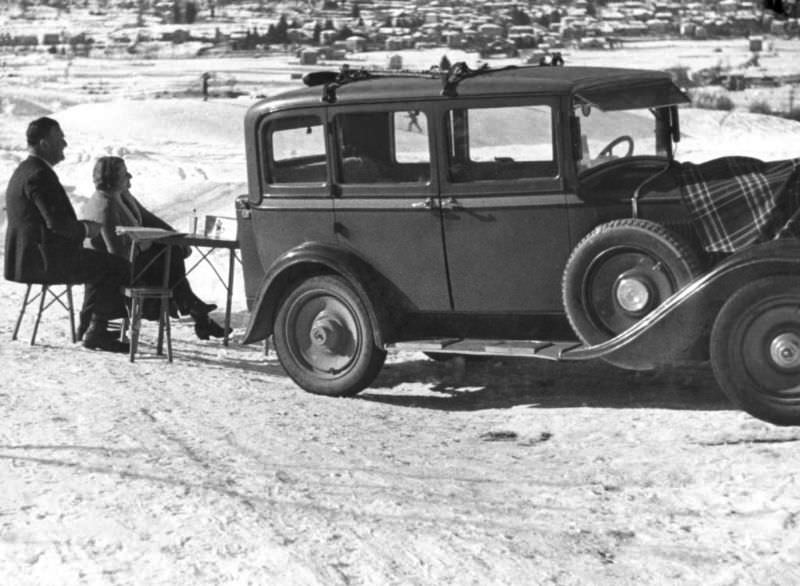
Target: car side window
295 150
383 147
503 143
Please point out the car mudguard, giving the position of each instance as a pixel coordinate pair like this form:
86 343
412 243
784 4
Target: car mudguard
671 330
313 258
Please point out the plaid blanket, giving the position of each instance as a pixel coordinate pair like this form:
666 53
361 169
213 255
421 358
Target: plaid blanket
739 201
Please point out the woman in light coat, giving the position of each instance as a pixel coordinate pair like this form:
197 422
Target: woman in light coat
112 205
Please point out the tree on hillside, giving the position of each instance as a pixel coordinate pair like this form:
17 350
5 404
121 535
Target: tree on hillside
344 32
272 35
519 17
282 29
355 12
317 32
543 21
191 12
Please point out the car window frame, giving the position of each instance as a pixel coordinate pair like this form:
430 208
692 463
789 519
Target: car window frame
384 189
480 188
300 189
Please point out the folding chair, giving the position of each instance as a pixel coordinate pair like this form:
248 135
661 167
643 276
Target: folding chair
63 298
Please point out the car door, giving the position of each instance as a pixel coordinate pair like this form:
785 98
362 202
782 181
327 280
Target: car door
386 206
504 210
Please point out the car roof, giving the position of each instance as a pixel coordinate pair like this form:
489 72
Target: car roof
608 88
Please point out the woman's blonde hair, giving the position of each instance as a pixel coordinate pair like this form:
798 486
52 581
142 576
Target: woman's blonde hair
106 174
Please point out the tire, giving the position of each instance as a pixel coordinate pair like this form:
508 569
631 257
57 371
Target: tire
755 349
623 255
324 338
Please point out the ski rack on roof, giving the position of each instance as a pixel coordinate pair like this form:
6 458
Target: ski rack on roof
461 71
332 80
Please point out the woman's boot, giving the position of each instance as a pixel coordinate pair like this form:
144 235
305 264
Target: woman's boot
206 327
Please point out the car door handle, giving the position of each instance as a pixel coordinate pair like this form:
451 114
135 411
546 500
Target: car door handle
424 205
451 203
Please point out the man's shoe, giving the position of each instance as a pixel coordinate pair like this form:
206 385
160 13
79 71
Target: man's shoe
101 339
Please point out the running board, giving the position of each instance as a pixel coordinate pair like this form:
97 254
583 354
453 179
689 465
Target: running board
547 349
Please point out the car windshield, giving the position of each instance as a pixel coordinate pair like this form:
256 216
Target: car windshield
607 136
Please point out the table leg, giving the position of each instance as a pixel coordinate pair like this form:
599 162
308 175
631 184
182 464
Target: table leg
136 324
164 310
229 299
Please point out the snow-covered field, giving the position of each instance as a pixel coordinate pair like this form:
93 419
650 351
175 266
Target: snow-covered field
216 469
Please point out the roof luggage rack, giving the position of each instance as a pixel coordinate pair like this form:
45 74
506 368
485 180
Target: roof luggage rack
332 80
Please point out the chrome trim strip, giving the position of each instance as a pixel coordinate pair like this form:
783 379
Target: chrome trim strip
393 202
344 204
294 203
507 201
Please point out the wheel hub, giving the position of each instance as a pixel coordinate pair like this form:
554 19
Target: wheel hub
784 350
326 332
632 294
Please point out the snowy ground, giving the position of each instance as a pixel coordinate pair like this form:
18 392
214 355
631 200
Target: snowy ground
216 469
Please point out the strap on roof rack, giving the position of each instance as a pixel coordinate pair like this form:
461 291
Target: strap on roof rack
343 77
459 71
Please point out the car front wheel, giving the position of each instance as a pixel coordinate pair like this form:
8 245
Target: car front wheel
755 349
324 337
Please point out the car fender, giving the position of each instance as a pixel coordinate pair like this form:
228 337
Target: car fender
671 330
313 258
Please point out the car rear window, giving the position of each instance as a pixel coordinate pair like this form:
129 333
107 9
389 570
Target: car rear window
295 151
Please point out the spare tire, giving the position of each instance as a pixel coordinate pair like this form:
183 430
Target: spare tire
620 272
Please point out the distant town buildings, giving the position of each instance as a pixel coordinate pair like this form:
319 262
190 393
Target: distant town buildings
330 29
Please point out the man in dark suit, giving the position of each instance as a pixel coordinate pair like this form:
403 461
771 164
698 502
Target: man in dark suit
44 238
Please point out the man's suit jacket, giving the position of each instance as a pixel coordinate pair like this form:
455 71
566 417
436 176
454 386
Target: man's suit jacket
108 211
43 234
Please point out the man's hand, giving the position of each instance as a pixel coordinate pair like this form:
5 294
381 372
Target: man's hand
92 228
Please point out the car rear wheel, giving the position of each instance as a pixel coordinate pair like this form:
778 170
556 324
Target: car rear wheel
755 349
620 272
324 338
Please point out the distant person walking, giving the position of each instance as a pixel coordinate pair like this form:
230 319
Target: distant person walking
206 77
413 121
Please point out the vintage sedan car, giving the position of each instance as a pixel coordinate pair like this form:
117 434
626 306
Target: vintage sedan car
522 211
